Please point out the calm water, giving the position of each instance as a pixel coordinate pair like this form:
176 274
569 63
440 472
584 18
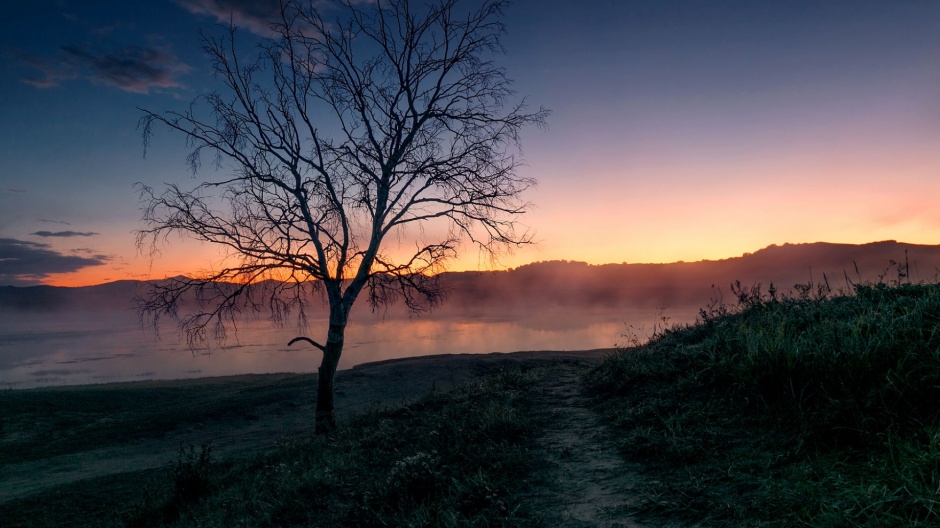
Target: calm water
71 349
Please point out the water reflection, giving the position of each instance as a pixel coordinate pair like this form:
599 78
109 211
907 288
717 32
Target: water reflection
78 349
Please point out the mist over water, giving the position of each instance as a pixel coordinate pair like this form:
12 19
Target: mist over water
58 336
70 348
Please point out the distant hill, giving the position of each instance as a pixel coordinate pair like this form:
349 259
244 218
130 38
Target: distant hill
111 296
564 283
561 285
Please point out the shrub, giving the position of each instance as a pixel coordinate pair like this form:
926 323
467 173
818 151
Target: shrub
192 474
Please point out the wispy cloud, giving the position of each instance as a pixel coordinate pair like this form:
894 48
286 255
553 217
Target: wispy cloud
130 68
51 74
63 234
254 15
47 221
24 263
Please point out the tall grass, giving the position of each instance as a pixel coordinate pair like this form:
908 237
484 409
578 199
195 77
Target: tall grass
808 408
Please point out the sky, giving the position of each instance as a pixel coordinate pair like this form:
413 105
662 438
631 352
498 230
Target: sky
680 130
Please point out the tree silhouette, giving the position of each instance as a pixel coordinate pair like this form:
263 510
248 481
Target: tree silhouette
386 122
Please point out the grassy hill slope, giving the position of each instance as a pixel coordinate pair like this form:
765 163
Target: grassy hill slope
813 410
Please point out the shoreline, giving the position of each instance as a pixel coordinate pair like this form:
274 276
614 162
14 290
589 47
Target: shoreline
519 356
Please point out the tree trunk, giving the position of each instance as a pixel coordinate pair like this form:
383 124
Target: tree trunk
326 418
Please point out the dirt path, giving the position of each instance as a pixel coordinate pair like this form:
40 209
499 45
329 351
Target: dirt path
590 484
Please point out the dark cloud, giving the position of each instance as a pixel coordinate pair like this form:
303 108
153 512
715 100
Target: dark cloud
63 234
47 221
131 68
24 263
254 15
57 372
51 74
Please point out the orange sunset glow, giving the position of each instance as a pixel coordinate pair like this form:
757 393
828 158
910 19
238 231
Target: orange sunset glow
675 135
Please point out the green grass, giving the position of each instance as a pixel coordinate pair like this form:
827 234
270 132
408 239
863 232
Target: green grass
455 458
812 409
97 502
41 423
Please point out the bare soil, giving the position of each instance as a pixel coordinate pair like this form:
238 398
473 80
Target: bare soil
590 485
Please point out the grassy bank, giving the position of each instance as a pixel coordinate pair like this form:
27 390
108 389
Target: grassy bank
454 458
814 409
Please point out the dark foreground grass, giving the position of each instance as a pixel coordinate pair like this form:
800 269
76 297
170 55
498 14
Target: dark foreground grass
454 458
41 423
813 410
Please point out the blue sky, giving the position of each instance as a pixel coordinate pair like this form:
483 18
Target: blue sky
681 130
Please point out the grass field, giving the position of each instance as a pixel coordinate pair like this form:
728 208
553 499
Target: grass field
446 459
813 409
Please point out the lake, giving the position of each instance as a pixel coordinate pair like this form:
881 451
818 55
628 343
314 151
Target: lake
69 348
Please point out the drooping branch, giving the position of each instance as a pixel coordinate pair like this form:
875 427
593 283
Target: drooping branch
307 339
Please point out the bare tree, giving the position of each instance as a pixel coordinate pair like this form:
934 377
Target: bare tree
389 121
